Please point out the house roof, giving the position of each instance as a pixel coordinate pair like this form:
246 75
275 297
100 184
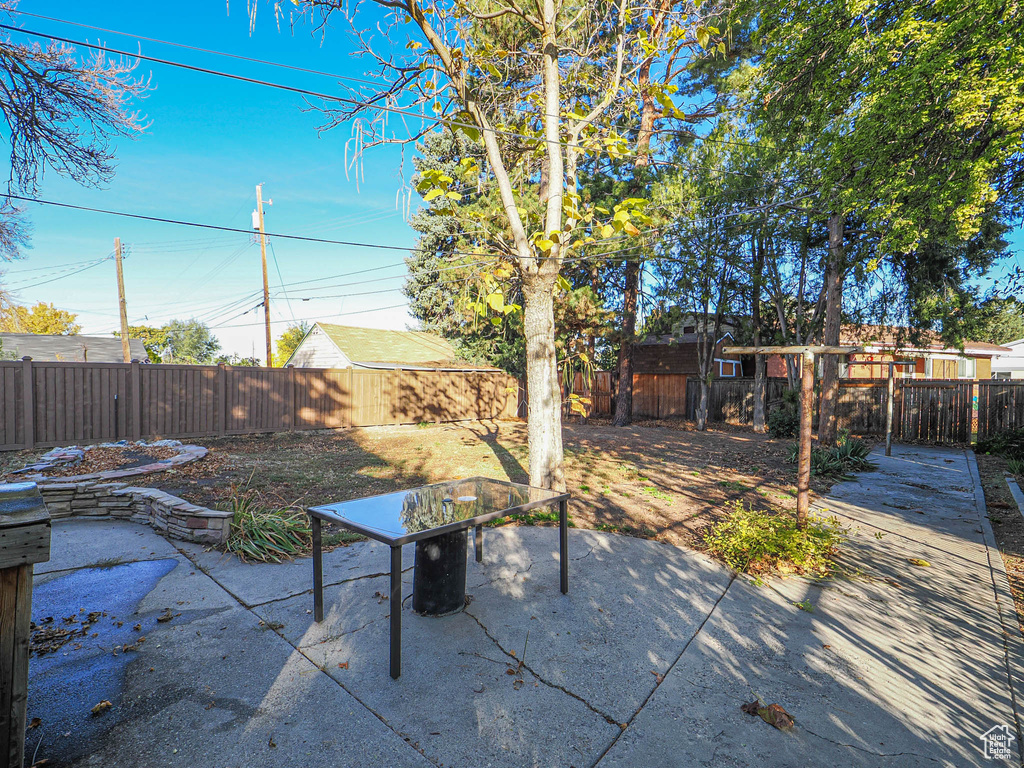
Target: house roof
373 345
676 338
900 338
70 349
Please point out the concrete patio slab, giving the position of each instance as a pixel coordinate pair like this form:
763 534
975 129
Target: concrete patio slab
646 661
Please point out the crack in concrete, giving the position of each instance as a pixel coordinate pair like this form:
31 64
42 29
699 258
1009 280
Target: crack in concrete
522 664
625 726
865 750
326 584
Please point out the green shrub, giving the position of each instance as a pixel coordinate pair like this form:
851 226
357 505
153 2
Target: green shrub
784 419
757 542
1009 444
264 533
1016 466
848 455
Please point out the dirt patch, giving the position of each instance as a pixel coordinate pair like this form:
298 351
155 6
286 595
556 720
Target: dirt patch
665 482
1007 524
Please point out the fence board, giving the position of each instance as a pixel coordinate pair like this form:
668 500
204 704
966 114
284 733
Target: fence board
1000 406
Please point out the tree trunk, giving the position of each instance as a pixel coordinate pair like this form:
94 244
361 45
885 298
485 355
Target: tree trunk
624 395
544 425
760 365
702 405
833 313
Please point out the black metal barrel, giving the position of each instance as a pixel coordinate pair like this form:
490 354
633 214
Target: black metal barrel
439 578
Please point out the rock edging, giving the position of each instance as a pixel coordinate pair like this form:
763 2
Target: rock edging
172 515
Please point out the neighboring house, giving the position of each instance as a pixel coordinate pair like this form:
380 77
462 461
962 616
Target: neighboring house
341 346
1009 365
677 353
931 357
70 349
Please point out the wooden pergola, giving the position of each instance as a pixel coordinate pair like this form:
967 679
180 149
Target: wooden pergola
807 352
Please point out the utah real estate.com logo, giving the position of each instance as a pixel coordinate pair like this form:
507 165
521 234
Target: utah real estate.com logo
997 743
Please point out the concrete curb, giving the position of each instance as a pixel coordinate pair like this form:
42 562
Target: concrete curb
1015 491
1013 642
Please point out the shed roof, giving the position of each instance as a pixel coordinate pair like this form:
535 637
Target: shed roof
374 345
70 349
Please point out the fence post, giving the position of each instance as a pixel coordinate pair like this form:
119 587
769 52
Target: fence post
222 405
293 412
28 400
136 401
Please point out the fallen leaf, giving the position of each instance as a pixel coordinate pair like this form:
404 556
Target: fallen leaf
102 707
36 722
773 714
918 562
165 616
272 744
658 676
342 665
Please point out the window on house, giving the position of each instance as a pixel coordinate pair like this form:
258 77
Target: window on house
966 368
928 368
726 370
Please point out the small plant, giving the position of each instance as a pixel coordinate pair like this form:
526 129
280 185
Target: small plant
784 420
756 542
1016 466
263 533
805 605
848 455
529 518
1009 444
657 493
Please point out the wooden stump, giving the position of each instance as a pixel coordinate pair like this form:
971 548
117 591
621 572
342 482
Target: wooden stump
24 540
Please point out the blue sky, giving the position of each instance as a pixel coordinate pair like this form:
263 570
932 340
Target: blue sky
209 142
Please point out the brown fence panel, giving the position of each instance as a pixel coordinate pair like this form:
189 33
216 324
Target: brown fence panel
12 405
861 406
179 401
659 395
935 411
1000 407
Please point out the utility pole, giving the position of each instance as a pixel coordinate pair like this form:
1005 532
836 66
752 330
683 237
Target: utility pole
125 347
263 255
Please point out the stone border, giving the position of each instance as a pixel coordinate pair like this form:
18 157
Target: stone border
169 514
186 453
1015 491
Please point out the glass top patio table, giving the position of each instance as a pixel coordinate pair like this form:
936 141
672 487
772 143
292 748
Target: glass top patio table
421 513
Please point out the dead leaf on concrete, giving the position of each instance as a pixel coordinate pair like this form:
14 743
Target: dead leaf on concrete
919 562
658 676
102 707
773 714
342 665
35 722
165 616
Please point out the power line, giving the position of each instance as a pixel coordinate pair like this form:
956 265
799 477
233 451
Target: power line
363 104
70 274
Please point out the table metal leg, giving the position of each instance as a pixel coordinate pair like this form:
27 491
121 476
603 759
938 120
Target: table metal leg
478 543
563 543
396 612
318 572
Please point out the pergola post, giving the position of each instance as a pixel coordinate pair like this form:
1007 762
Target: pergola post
803 466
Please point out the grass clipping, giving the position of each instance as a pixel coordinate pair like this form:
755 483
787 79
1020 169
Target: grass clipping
264 533
761 542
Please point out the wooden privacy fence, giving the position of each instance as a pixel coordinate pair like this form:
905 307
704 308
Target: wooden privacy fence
924 410
50 404
1000 407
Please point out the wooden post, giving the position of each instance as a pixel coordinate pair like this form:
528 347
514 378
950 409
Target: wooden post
122 303
24 540
803 472
292 412
263 255
136 401
888 409
222 405
28 402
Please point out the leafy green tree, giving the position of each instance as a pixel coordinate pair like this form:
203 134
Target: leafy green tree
537 87
153 339
190 342
911 114
40 318
238 360
999 320
288 341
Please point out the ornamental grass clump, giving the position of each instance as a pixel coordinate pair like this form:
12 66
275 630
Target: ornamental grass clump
264 533
760 542
846 456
